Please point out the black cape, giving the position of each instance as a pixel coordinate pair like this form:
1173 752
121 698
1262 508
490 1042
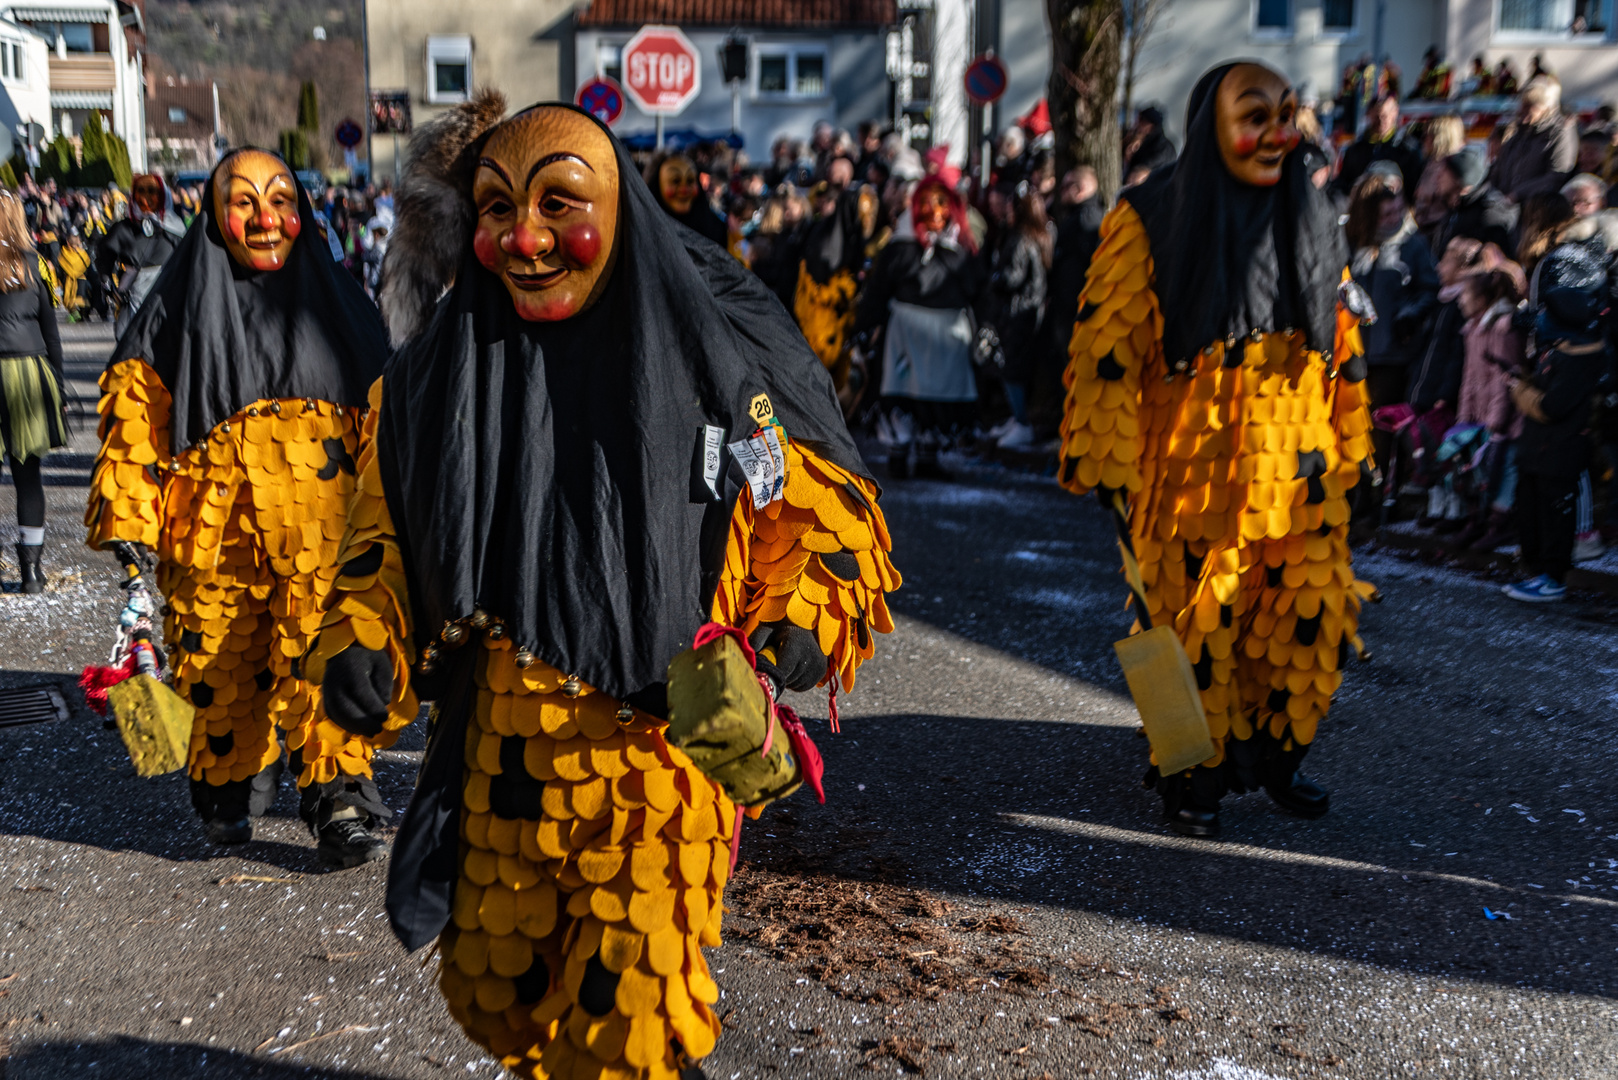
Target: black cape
835 242
1231 258
221 336
547 473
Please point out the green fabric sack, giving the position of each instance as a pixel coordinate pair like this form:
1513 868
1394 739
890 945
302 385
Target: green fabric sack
718 714
33 405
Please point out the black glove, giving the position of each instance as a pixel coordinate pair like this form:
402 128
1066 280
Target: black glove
357 687
799 664
129 553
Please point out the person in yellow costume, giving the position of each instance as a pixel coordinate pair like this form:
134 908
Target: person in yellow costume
75 260
1215 381
552 502
828 274
230 417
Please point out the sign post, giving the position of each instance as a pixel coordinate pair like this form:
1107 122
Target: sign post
662 72
985 80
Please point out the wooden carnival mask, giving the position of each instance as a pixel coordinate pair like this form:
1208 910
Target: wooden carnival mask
147 193
546 191
677 181
256 202
1256 115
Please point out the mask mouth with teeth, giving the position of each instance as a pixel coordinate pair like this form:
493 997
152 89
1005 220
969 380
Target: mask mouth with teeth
545 187
256 206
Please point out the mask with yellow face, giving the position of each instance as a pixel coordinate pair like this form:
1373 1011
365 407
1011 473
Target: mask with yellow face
255 201
546 193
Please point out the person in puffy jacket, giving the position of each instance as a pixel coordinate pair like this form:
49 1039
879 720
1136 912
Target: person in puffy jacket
31 381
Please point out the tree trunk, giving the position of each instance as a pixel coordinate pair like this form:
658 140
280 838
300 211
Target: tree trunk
1086 51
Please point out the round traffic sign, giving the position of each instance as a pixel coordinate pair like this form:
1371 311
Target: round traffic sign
348 134
601 98
985 79
662 73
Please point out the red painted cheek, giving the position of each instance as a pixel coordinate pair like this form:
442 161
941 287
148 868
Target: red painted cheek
1246 145
237 227
486 248
292 226
581 244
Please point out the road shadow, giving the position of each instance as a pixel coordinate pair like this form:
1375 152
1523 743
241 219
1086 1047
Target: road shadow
1035 812
128 1058
71 781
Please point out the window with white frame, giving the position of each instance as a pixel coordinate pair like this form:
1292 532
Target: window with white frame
16 61
1553 18
5 60
449 68
610 60
1337 16
790 71
1272 17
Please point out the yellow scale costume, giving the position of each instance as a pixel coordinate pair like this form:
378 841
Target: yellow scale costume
626 867
1238 477
246 525
825 314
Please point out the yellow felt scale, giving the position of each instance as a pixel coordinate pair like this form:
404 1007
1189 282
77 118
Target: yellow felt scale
1237 473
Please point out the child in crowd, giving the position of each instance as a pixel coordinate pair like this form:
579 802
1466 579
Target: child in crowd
1495 351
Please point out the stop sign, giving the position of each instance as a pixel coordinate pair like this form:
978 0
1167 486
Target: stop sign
661 72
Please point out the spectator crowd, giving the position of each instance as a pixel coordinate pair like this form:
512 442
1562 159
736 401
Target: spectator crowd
942 305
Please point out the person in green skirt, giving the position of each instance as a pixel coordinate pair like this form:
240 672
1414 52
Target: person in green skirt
31 420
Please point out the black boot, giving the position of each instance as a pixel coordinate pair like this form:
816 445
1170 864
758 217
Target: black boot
1191 802
1297 794
33 578
224 810
346 842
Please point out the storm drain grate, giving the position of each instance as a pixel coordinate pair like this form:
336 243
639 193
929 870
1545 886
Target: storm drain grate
31 705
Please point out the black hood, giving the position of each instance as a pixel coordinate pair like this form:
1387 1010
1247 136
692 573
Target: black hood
835 242
544 471
221 336
1231 258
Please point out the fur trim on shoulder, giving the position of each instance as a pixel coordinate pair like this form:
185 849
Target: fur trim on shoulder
433 213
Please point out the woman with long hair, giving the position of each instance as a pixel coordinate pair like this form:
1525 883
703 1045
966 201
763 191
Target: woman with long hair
31 380
1018 267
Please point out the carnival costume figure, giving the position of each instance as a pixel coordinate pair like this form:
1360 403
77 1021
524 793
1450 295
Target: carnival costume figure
1215 383
828 281
230 418
538 530
133 252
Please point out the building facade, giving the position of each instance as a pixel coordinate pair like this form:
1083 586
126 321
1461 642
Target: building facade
807 60
437 53
25 85
96 63
182 125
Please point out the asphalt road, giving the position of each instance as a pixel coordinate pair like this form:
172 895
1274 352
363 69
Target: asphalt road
987 891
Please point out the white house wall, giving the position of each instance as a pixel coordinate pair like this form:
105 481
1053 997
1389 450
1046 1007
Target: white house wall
856 80
1192 36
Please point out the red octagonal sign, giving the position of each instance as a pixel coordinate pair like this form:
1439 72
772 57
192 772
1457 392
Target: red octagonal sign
661 70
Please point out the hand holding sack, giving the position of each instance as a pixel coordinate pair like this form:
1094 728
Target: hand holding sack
720 715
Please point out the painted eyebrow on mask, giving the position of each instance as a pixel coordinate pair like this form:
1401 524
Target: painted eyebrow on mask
551 159
490 163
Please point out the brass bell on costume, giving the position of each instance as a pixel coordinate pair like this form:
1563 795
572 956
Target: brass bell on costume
454 635
571 686
524 659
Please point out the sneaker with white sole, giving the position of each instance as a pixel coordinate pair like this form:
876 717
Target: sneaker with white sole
1588 546
1543 589
1017 437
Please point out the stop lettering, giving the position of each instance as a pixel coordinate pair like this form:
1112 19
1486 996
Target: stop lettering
661 71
